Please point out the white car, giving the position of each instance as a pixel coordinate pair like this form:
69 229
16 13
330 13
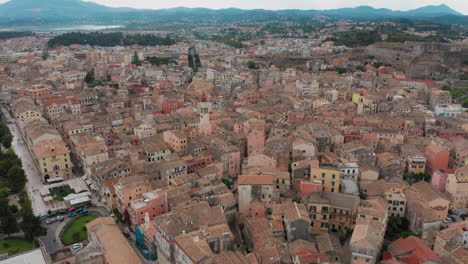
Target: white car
77 246
448 220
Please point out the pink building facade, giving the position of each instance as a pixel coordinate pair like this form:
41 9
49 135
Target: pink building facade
153 203
436 159
439 179
254 131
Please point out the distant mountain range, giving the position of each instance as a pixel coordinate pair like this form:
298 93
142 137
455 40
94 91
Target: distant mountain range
17 12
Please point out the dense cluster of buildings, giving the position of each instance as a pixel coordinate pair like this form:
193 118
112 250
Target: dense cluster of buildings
236 165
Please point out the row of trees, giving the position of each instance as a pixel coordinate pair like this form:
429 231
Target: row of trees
30 224
12 176
5 136
160 60
368 37
15 34
231 38
110 39
13 180
194 61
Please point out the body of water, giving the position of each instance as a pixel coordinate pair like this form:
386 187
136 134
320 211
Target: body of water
63 28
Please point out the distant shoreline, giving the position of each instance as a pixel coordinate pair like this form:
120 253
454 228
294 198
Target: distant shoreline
62 27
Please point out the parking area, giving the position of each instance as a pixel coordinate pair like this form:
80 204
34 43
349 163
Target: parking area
455 216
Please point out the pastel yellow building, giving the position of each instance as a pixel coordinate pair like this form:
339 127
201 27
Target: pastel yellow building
331 211
357 98
457 188
329 176
53 160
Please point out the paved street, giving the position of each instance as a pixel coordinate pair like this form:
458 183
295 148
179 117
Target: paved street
32 173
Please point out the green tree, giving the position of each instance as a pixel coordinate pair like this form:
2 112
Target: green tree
8 223
31 225
190 61
464 102
5 165
340 70
45 54
89 78
412 178
252 65
6 140
197 61
4 130
361 68
398 227
227 182
16 178
135 59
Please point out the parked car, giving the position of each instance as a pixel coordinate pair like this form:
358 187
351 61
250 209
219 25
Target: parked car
52 214
43 217
51 221
72 210
82 212
60 218
62 212
72 214
464 216
453 212
448 220
454 219
77 246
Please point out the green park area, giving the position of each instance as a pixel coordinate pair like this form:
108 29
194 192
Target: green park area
58 193
15 246
76 231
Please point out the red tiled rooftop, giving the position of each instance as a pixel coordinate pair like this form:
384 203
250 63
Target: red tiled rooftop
412 246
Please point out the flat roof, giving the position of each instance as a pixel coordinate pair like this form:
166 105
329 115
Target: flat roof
34 256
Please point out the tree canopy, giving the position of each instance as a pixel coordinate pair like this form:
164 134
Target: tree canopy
368 37
110 39
15 34
16 178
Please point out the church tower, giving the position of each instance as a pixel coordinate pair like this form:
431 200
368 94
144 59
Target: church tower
204 108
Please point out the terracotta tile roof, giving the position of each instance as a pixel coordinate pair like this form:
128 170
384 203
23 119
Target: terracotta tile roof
116 247
412 249
255 180
50 148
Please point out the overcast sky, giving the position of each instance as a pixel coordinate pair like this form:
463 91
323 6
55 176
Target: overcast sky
459 5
